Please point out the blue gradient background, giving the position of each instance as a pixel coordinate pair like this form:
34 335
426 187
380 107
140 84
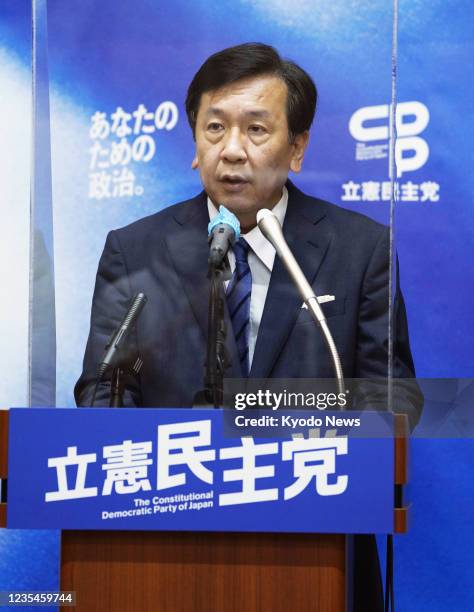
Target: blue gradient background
123 53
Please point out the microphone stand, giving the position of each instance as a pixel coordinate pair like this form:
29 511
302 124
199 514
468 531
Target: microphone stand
216 354
116 388
117 383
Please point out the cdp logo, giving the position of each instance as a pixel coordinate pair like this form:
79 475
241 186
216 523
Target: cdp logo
371 123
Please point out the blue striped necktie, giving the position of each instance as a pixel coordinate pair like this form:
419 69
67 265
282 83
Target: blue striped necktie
238 296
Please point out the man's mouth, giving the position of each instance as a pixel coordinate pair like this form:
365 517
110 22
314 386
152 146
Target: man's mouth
233 178
233 182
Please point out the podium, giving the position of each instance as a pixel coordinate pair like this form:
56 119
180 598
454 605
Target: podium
270 554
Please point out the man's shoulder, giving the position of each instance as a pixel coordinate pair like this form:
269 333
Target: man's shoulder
346 223
163 220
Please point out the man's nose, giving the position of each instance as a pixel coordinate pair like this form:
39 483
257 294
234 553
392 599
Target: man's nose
234 147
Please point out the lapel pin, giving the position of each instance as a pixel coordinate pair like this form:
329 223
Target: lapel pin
322 299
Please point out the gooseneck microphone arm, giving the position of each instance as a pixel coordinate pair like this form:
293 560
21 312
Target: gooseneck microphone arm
115 355
114 350
271 229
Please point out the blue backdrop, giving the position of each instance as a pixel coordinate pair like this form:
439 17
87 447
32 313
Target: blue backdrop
111 166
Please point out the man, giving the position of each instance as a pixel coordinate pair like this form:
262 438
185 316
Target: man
250 112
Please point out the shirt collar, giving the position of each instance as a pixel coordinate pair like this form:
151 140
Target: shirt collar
262 248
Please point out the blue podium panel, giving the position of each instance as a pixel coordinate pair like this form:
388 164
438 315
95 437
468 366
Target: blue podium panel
169 469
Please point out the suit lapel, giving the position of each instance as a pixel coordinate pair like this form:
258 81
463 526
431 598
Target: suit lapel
189 250
308 236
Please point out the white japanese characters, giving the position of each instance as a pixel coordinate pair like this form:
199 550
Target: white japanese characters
248 473
315 458
174 450
377 191
369 126
126 467
79 489
134 134
185 448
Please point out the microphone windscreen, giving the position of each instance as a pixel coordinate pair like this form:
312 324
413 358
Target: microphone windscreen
228 218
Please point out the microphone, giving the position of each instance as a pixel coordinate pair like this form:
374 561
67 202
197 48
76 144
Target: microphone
223 232
271 229
114 349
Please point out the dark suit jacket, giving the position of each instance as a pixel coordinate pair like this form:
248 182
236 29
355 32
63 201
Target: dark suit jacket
342 253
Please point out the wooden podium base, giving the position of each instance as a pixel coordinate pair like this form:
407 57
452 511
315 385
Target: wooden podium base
204 572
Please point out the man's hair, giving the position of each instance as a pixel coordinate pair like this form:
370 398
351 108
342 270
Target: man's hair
251 60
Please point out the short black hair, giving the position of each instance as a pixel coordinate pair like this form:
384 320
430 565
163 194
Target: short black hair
250 60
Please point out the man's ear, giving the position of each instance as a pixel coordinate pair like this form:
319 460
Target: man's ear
299 147
195 163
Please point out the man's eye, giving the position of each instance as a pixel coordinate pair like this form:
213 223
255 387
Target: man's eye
214 127
257 129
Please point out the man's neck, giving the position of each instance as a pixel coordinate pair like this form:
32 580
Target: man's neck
249 221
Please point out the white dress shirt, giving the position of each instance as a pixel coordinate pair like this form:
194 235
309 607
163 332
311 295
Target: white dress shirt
261 258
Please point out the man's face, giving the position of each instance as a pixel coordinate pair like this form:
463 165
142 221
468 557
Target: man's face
242 145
